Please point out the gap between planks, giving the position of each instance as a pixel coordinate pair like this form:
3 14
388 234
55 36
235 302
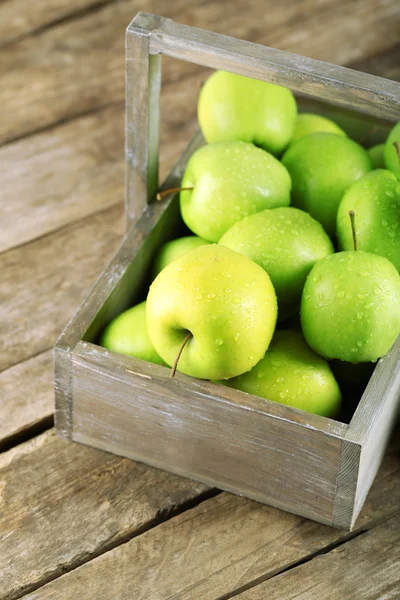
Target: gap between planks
162 516
306 559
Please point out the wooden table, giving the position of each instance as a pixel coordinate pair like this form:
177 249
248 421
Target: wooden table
76 522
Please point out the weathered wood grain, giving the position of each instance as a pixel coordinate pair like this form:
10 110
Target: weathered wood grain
27 395
222 437
63 78
367 567
63 503
19 18
222 546
53 178
76 169
331 83
43 283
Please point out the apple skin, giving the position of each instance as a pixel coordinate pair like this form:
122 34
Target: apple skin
127 334
376 154
286 243
291 373
392 160
322 166
231 180
350 307
172 250
375 200
309 123
225 300
234 107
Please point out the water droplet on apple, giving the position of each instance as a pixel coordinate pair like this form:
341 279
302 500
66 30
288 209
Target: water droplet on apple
359 344
236 301
282 395
210 295
219 342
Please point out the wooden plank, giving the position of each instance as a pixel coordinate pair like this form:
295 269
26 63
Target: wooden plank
62 503
66 61
318 79
222 437
82 162
374 418
218 548
43 283
19 18
27 395
53 178
367 567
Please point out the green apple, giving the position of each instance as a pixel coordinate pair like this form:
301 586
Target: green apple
391 153
286 243
292 374
127 334
322 166
172 250
308 123
233 107
376 154
375 199
230 180
350 307
224 300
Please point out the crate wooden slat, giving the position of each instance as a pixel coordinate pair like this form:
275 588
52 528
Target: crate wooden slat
309 465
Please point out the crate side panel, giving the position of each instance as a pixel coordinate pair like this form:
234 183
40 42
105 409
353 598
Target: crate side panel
175 427
374 420
346 484
63 391
340 85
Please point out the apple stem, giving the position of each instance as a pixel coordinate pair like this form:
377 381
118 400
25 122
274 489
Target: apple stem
175 365
366 136
397 147
353 227
164 193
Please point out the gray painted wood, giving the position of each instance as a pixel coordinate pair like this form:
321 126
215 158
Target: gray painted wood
359 91
373 420
210 433
142 85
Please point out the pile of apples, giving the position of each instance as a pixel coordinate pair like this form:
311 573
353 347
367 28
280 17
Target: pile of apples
269 199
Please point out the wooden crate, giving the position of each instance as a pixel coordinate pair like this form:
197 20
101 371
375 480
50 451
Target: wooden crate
310 465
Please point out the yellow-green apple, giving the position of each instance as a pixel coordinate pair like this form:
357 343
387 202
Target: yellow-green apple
375 199
229 181
286 243
222 302
127 334
233 107
322 166
350 307
292 374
